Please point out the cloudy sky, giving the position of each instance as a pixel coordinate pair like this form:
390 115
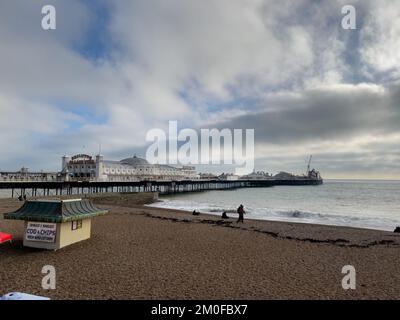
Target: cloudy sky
112 70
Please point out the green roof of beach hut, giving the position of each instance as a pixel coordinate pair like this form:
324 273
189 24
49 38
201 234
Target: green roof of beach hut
55 211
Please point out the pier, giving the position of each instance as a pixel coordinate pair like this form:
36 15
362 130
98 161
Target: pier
60 188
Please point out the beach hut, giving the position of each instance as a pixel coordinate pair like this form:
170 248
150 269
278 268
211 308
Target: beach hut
54 224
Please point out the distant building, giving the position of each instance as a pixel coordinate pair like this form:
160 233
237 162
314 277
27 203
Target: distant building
84 167
314 174
285 176
208 176
259 175
25 175
228 177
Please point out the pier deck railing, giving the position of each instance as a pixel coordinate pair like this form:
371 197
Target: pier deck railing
59 188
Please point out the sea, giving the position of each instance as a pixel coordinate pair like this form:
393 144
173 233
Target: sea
371 204
353 203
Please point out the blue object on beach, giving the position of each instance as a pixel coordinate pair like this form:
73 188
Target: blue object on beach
21 296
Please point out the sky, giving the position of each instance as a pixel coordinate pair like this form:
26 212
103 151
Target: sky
113 70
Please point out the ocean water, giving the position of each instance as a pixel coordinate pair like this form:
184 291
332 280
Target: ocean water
5 194
362 204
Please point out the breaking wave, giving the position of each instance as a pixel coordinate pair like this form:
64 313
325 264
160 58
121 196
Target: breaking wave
282 215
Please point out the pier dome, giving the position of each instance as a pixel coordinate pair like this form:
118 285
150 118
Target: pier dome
135 161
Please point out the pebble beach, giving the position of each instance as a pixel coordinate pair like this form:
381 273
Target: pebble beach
139 252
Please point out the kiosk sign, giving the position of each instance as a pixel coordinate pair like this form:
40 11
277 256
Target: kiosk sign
41 232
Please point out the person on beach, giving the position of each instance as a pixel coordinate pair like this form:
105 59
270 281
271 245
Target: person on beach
241 213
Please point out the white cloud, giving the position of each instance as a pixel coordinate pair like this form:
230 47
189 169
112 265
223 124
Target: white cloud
215 44
380 37
23 124
190 61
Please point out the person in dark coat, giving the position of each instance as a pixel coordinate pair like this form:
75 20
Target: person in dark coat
241 213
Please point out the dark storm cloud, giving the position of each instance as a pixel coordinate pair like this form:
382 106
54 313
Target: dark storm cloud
324 114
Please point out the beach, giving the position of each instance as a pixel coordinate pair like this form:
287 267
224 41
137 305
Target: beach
139 252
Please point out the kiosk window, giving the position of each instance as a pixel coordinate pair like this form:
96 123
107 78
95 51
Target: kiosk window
76 224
